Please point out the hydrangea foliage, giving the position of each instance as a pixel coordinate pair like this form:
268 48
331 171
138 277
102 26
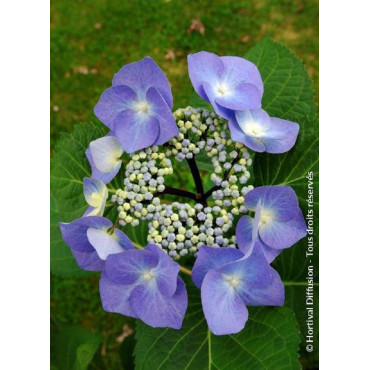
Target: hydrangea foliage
227 234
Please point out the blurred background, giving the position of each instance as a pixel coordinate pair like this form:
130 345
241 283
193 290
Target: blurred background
92 39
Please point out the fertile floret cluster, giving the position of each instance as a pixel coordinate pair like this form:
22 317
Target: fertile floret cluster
181 228
144 178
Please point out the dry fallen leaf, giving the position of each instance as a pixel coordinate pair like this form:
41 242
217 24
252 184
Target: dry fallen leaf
245 38
170 55
126 331
196 26
83 70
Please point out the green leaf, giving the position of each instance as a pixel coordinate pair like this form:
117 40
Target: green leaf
269 341
288 92
74 348
138 234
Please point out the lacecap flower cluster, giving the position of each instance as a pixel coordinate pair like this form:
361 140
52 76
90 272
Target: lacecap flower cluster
231 270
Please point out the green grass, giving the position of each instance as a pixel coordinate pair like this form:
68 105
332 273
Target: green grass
92 39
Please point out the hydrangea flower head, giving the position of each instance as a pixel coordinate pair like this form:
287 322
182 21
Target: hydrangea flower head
96 194
262 133
230 280
228 83
92 239
144 284
232 271
137 108
104 155
278 221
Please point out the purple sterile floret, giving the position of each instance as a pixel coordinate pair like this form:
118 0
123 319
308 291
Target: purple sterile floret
262 133
228 83
210 258
278 222
137 108
91 241
144 284
229 287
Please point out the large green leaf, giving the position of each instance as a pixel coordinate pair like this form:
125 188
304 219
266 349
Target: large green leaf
269 341
74 348
288 89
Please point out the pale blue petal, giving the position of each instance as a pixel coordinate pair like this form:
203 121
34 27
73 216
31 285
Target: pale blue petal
128 267
159 109
158 310
251 272
96 194
239 136
103 242
241 70
74 233
244 234
115 297
224 310
106 153
210 258
253 121
242 96
75 236
96 174
281 235
123 240
112 102
142 75
204 67
270 253
88 261
280 200
166 271
281 136
271 295
136 130
220 110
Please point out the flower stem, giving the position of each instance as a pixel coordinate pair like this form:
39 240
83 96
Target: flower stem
185 270
179 192
110 231
225 176
197 180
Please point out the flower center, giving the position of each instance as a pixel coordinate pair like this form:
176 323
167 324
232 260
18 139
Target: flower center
147 275
253 128
232 280
142 107
265 217
222 89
